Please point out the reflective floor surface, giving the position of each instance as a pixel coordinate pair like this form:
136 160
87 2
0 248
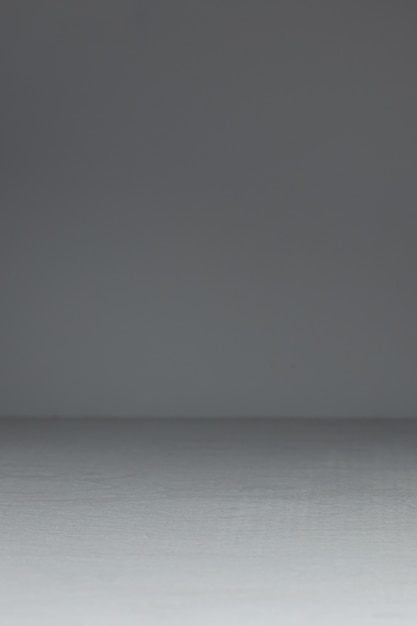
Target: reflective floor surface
208 522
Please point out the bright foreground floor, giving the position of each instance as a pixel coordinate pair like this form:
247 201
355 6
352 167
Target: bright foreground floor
199 522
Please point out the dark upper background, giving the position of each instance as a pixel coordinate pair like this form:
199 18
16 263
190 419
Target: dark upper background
208 208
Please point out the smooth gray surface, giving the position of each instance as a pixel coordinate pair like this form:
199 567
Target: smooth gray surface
208 208
208 522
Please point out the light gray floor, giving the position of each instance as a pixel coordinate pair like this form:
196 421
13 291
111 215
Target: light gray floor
208 523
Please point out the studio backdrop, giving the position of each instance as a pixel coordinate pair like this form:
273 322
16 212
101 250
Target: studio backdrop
208 208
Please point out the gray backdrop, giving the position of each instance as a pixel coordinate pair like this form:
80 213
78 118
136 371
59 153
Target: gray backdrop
208 208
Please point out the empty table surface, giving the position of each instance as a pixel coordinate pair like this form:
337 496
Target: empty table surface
204 522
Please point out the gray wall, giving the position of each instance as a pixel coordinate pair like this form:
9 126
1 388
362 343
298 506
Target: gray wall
208 208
